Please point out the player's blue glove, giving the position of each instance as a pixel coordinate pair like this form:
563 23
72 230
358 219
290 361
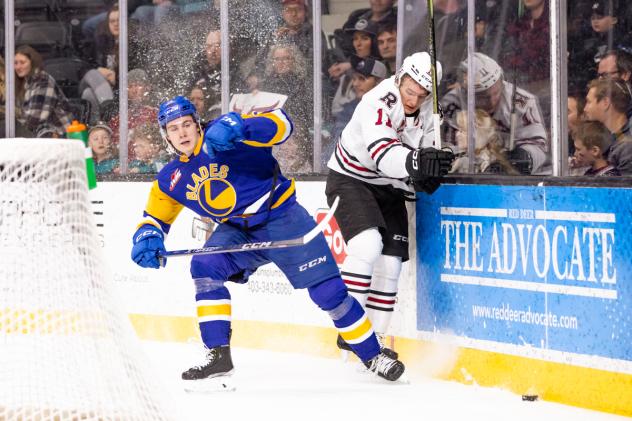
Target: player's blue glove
148 241
223 133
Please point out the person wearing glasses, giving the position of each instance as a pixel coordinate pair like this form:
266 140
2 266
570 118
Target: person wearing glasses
529 149
617 64
607 101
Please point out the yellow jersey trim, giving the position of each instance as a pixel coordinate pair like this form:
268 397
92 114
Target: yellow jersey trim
280 136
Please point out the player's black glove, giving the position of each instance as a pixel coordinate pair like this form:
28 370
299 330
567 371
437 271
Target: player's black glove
428 162
427 185
426 166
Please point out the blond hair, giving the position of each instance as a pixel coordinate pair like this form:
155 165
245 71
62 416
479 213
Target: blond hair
487 140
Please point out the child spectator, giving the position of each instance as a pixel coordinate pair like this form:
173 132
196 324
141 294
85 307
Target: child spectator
103 153
39 100
592 139
147 143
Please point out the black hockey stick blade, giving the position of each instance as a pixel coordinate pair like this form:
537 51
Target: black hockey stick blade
264 245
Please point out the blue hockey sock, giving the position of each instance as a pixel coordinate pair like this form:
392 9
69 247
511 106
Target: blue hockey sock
214 314
348 316
356 329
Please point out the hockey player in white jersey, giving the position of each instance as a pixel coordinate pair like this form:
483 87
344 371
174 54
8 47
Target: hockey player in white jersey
527 143
384 149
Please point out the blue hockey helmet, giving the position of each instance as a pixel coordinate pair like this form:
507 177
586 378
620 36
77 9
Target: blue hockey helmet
176 108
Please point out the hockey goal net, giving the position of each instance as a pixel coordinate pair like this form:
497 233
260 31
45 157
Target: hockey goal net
66 352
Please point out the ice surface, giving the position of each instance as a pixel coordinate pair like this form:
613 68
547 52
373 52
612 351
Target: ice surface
290 387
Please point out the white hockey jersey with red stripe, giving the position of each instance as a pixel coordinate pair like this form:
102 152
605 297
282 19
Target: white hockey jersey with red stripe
374 144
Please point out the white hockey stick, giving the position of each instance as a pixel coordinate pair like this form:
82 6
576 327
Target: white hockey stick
264 245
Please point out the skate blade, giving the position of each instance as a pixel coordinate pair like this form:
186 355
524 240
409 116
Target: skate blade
213 384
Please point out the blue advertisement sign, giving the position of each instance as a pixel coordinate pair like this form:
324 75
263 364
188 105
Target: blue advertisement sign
547 267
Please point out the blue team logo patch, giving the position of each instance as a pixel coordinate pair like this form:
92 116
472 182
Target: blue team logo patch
217 196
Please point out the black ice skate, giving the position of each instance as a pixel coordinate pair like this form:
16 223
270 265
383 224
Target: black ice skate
346 347
217 363
386 367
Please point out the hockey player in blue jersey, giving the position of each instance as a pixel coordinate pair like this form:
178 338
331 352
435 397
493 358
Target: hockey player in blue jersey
227 172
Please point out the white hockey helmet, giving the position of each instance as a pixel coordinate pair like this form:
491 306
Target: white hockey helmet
488 72
418 66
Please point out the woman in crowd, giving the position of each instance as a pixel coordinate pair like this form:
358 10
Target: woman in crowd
40 103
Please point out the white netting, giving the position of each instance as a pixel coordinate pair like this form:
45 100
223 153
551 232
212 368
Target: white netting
66 351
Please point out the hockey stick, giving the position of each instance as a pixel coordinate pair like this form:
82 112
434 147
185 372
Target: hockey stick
436 118
514 116
264 245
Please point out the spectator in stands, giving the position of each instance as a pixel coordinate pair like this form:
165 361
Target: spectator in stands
20 130
39 101
489 155
592 139
139 111
106 43
103 151
207 71
387 45
381 11
576 103
607 102
526 53
198 98
575 115
296 28
607 31
364 45
616 64
285 74
527 42
529 148
147 144
451 33
155 13
367 74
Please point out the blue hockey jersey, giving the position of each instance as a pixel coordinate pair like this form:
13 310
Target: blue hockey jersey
242 186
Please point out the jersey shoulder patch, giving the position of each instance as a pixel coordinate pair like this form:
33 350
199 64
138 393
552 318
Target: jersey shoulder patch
390 99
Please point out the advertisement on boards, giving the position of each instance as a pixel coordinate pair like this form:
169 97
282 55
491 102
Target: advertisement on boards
545 267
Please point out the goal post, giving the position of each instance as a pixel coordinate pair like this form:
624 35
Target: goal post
66 351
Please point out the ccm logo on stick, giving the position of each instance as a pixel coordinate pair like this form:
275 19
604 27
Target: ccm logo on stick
256 245
312 263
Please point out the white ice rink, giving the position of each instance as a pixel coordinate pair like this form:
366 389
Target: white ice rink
291 387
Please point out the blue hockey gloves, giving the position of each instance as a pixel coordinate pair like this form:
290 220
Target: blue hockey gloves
148 241
223 133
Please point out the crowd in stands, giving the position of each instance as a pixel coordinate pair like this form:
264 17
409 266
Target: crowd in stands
175 48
